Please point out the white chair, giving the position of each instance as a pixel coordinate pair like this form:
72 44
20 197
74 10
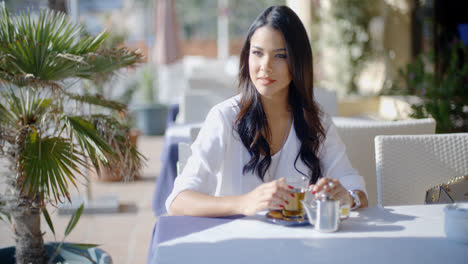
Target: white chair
218 81
327 100
185 150
358 137
408 165
196 104
183 130
194 130
184 153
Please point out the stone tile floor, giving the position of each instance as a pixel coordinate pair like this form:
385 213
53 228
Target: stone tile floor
124 235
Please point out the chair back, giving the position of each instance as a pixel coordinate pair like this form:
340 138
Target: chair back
194 130
184 153
327 100
358 137
408 165
196 104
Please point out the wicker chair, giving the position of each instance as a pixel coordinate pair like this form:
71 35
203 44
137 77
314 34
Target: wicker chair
408 165
358 137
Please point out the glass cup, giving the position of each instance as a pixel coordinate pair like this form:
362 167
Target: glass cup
294 207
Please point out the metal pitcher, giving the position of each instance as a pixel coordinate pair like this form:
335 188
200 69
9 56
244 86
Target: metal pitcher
325 214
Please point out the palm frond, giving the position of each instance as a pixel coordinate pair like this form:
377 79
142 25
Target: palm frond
51 48
24 106
109 60
127 161
49 165
48 220
92 144
74 220
6 116
97 100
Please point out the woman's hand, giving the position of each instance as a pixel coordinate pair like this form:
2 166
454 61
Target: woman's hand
334 189
270 195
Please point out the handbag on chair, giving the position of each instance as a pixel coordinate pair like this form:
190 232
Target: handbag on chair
455 190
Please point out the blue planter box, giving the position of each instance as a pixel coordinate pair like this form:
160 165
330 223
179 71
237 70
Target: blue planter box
151 120
67 254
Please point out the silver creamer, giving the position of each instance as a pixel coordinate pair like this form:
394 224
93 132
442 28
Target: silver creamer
325 215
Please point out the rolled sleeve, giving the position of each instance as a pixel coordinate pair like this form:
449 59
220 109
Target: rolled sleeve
203 166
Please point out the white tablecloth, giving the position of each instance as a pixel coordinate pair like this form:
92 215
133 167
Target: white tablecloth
399 234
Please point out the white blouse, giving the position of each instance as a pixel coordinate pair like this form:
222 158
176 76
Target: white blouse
218 157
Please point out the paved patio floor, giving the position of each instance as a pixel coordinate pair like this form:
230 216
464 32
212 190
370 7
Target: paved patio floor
124 235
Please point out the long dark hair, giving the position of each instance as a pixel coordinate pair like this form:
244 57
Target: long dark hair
251 123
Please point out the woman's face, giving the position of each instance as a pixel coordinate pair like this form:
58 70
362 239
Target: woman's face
268 66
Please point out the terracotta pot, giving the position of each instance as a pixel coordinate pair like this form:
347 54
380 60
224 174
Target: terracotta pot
107 175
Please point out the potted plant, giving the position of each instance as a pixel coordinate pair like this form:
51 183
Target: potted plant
118 134
46 135
150 116
117 130
442 85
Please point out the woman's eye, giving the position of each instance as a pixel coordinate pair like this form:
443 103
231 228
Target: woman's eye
281 56
256 52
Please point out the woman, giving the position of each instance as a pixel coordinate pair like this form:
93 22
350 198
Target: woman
273 130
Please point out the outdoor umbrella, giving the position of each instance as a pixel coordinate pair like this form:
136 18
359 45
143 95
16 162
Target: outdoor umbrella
167 49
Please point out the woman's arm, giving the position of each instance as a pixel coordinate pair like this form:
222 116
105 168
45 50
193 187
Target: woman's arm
362 198
272 195
200 204
199 174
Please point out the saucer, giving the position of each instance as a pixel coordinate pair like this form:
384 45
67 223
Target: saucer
276 217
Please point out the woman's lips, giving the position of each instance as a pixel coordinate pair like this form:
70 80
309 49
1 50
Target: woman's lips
266 80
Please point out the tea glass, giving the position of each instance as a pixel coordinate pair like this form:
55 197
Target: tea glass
294 207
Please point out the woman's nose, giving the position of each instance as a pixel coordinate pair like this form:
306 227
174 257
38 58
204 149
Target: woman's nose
266 64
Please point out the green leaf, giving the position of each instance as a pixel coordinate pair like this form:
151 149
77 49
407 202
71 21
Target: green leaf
81 246
49 164
48 220
6 117
77 251
98 100
47 48
90 141
74 220
110 60
127 160
26 105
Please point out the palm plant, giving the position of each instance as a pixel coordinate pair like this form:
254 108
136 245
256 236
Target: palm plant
46 136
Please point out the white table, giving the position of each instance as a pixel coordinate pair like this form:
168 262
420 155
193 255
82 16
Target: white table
396 235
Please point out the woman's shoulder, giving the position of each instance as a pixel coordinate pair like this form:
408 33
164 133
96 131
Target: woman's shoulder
326 121
228 108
